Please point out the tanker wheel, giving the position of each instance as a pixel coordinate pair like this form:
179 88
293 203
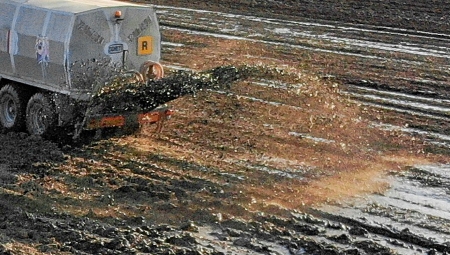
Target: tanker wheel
12 108
41 116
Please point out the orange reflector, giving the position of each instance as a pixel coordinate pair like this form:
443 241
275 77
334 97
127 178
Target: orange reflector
146 118
118 14
115 121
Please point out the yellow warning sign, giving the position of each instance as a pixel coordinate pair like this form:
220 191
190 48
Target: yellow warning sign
145 45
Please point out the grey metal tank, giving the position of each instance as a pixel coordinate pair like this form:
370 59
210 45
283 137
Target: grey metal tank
41 40
65 47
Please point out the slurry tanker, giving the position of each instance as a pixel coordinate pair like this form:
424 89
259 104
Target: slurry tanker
56 54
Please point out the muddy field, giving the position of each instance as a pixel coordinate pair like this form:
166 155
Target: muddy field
422 15
337 144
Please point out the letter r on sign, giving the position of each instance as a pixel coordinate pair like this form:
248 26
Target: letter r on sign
144 46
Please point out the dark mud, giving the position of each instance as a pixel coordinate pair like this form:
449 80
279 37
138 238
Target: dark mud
386 225
22 153
413 65
413 215
144 96
431 16
411 218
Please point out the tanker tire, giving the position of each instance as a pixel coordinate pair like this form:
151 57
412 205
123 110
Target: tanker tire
40 115
12 108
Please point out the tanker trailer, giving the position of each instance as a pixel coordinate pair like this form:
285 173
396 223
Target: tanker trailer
55 54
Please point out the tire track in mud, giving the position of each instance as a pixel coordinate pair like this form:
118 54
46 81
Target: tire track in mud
417 15
340 38
420 97
426 113
413 103
409 218
415 211
377 226
392 223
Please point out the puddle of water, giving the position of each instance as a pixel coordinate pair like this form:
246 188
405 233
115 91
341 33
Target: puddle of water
410 104
385 228
422 211
315 139
278 84
402 95
297 173
171 44
329 24
400 110
431 137
414 203
215 237
407 190
442 170
234 37
282 31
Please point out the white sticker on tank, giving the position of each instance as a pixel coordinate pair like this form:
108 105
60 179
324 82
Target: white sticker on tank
42 50
42 53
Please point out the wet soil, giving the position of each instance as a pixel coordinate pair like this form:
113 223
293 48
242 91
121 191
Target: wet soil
422 15
278 162
387 67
